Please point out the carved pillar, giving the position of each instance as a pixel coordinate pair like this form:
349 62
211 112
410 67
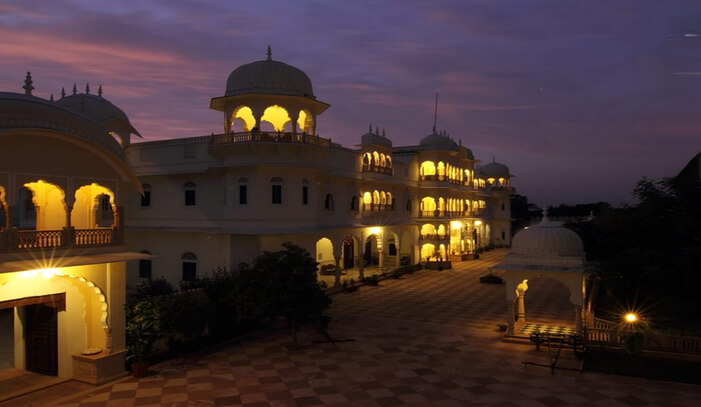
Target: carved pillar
361 263
578 319
381 261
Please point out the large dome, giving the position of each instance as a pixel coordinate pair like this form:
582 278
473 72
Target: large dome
101 111
547 239
269 77
438 142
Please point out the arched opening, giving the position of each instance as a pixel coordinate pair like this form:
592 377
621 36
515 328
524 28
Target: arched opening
328 202
442 252
441 231
389 161
428 230
372 257
305 122
276 116
376 197
441 205
50 204
427 170
383 161
547 301
428 206
428 251
376 158
242 119
24 214
440 170
354 203
348 253
324 253
3 208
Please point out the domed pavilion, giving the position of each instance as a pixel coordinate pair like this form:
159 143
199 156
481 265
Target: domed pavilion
544 250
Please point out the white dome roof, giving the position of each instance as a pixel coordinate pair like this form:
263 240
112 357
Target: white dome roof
547 239
438 142
269 77
494 169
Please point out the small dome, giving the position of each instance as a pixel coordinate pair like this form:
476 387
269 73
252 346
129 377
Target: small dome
269 77
547 239
494 170
374 139
438 142
100 111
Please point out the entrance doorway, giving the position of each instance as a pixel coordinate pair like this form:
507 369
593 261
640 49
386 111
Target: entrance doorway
41 339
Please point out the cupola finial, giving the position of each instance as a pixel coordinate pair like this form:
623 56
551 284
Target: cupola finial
87 88
28 88
383 133
377 130
75 89
99 91
51 98
270 54
63 92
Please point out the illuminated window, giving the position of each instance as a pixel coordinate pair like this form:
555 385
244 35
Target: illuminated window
146 197
190 194
276 190
244 116
145 266
189 266
277 116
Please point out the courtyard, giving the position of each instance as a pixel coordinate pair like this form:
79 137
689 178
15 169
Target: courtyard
426 339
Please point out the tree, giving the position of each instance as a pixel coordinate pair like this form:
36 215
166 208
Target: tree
284 284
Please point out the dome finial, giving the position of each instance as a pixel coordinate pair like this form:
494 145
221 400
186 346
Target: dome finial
383 133
99 91
51 98
270 54
377 131
63 92
28 88
87 88
75 89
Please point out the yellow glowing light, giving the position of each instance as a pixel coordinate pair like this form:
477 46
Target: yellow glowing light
456 224
46 273
478 222
302 120
375 230
277 116
631 317
245 114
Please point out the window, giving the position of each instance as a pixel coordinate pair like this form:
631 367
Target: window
145 266
243 191
189 266
305 195
328 202
190 194
503 206
276 190
408 205
354 203
146 197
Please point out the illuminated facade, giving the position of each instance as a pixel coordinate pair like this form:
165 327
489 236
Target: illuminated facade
63 178
220 200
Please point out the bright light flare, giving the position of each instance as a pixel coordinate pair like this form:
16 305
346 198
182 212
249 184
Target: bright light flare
631 317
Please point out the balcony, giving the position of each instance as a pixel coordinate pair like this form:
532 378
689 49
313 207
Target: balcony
433 237
268 137
373 207
443 214
377 168
19 239
441 178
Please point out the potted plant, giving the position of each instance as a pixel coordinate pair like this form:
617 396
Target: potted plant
142 329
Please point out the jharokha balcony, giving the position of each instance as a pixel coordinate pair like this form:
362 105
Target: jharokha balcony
268 137
443 214
13 239
377 168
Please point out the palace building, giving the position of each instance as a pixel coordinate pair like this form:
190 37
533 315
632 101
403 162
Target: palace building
63 183
219 200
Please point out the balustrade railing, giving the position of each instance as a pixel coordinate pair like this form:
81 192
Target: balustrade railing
94 237
377 168
607 333
373 207
434 237
268 137
31 239
14 239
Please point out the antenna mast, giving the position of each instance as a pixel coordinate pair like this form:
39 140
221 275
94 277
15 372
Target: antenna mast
435 115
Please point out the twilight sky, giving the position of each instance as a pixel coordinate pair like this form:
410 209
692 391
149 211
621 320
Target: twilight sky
579 98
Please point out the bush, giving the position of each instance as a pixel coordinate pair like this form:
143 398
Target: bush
491 278
373 280
153 288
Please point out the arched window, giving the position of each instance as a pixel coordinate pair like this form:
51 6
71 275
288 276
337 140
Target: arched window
189 266
376 158
190 193
145 266
276 185
408 205
305 192
146 197
328 202
243 191
354 203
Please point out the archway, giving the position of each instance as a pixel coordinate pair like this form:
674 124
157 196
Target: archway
372 257
276 116
428 251
547 302
242 119
93 207
50 201
324 252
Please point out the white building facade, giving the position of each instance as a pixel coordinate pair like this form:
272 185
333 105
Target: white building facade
220 200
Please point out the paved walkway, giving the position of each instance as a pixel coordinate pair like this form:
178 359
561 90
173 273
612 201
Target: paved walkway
411 345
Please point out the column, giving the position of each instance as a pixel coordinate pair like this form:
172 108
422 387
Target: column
578 319
337 271
381 262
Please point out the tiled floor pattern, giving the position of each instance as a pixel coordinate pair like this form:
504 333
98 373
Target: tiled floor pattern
529 329
390 359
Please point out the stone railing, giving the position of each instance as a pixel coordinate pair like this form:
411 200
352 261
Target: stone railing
433 237
268 137
373 207
607 333
94 237
377 168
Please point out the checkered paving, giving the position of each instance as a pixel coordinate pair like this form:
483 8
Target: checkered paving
529 329
390 359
